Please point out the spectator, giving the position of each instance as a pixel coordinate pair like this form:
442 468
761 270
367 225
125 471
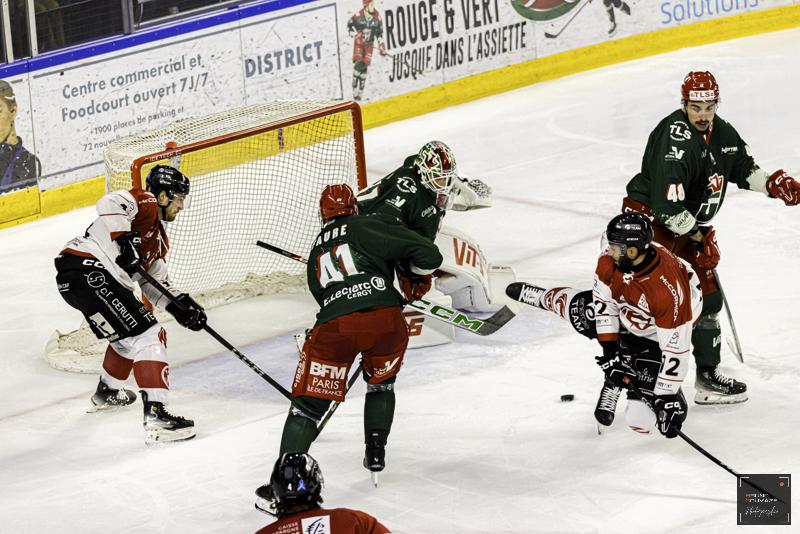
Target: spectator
18 167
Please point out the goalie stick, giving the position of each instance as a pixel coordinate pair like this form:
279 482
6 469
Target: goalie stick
147 276
482 327
564 27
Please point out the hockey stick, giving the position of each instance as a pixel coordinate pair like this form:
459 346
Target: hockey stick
482 327
635 391
332 409
147 276
737 349
564 27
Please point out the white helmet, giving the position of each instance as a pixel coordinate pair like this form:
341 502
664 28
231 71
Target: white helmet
437 167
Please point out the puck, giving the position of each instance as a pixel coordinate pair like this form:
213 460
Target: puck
568 397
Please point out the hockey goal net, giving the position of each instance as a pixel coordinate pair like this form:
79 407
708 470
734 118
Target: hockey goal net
256 173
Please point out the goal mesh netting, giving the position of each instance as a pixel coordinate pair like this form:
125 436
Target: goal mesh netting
256 173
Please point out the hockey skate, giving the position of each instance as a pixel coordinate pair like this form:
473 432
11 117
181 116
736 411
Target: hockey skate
606 405
375 454
265 500
526 293
106 398
161 426
712 387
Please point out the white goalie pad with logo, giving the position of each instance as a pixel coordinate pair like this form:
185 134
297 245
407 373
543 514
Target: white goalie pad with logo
472 283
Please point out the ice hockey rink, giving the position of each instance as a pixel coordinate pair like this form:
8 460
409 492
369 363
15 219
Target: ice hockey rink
481 442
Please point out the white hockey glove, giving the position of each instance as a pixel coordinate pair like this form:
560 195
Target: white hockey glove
470 195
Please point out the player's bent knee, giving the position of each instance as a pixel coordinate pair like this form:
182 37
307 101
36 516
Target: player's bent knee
639 417
144 346
309 407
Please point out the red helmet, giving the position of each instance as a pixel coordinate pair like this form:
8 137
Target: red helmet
699 86
337 200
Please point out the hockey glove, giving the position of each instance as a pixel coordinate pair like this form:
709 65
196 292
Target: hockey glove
707 254
617 371
669 414
784 187
414 286
130 251
187 312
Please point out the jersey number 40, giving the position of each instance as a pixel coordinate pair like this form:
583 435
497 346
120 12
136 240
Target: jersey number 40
335 265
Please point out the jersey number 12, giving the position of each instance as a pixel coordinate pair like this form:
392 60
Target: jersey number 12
334 265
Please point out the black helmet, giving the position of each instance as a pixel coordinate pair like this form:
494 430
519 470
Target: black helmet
168 179
630 229
295 485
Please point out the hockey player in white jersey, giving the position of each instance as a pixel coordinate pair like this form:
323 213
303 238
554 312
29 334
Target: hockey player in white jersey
96 275
645 302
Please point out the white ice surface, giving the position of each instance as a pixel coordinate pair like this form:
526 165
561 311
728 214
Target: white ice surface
481 442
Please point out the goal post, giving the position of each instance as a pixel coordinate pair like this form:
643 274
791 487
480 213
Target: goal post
256 173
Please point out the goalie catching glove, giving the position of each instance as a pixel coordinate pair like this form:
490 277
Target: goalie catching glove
130 251
470 195
781 185
187 312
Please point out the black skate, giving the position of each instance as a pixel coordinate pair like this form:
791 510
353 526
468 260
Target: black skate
162 426
265 500
526 293
712 387
375 454
105 398
606 404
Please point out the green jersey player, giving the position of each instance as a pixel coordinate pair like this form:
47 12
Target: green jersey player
418 194
351 276
690 158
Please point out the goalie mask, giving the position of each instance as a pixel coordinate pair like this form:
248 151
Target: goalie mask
337 200
437 169
626 230
295 485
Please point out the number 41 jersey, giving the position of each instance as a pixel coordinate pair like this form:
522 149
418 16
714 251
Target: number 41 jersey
351 267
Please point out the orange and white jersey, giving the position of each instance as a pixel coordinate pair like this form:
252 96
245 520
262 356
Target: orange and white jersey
659 303
119 212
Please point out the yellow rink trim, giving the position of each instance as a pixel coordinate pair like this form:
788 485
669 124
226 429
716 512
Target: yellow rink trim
15 208
578 60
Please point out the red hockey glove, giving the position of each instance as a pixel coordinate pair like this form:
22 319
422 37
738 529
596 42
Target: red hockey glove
707 255
414 286
784 187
